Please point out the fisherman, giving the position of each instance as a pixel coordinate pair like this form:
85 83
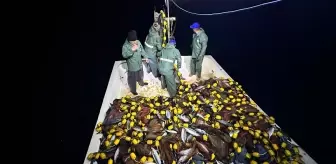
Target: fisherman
132 51
153 44
167 58
199 45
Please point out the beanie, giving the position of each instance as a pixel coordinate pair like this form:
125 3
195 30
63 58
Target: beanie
132 36
172 40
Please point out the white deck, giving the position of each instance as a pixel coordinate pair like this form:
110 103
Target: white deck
117 88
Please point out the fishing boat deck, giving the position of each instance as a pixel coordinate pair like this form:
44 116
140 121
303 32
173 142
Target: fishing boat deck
117 88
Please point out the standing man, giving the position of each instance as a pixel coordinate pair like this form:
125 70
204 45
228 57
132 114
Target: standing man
153 44
167 58
132 51
199 45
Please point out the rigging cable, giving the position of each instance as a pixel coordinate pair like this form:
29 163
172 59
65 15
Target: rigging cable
225 12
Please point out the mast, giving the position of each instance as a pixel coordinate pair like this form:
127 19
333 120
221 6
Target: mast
168 20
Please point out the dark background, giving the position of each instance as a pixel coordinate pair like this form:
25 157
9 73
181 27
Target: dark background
275 52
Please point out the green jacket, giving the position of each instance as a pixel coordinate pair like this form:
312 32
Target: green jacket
199 44
133 59
167 58
153 42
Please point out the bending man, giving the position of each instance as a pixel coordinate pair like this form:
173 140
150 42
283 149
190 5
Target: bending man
132 50
167 58
199 45
153 44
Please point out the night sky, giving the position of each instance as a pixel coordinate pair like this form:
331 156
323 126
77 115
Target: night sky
275 52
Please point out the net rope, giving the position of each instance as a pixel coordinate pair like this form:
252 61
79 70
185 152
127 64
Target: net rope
226 12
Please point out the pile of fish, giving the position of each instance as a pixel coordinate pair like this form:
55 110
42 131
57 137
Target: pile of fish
211 121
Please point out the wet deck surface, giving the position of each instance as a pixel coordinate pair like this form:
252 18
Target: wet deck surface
153 88
154 84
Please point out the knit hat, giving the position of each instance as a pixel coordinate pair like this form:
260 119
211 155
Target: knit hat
172 40
132 36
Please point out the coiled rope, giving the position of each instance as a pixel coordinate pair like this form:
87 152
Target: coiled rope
225 12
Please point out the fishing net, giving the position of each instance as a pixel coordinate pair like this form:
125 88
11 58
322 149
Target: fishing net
209 121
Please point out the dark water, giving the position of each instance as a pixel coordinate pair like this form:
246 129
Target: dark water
275 52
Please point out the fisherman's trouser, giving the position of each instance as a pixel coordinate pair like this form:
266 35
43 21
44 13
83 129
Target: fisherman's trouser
152 65
196 66
168 79
133 77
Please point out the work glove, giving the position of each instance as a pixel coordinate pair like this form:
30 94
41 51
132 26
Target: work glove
199 57
175 66
157 54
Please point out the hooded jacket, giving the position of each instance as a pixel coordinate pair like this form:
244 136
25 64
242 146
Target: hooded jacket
133 59
167 57
153 42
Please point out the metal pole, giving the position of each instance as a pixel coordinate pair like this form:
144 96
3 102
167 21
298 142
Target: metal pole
168 20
